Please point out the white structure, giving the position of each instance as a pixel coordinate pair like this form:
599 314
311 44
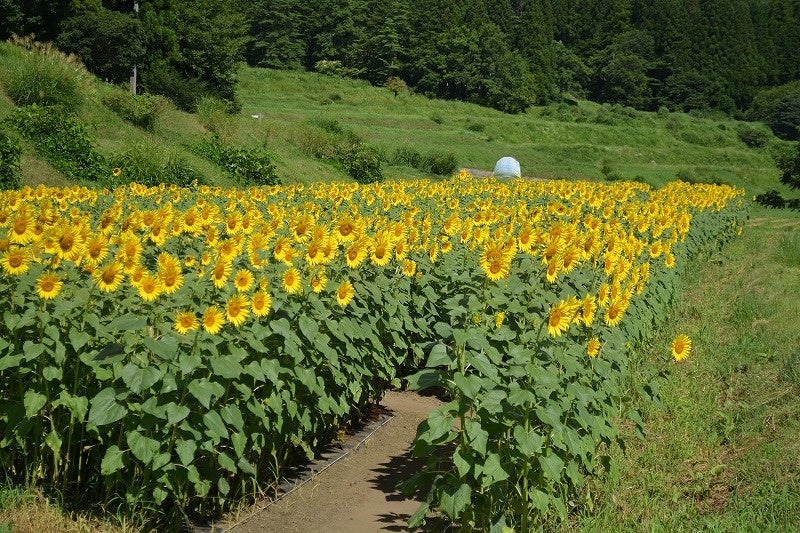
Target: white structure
507 167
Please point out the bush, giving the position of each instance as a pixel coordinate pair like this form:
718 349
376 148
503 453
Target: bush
407 156
10 152
441 163
752 136
362 162
790 168
144 163
45 81
62 139
248 167
141 110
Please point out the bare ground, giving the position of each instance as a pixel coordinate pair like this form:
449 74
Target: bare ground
354 491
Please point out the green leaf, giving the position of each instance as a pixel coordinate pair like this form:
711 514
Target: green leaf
223 486
165 348
78 339
239 441
233 416
226 462
478 437
143 448
418 518
469 385
10 361
33 402
139 378
453 501
439 424
461 462
113 460
551 465
105 409
308 327
32 350
53 441
204 390
127 322
77 405
216 427
188 363
528 442
438 356
185 450
226 367
51 373
424 379
176 413
493 471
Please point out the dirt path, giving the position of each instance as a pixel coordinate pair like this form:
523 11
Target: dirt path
356 493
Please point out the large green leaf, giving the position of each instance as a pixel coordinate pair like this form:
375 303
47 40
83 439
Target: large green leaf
33 402
139 378
105 409
455 500
216 426
142 447
113 460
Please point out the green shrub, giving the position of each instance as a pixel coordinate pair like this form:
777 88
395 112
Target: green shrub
248 167
141 110
47 77
145 163
441 163
10 152
62 139
752 136
477 127
362 162
407 156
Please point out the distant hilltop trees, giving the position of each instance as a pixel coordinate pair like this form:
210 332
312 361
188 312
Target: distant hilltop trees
683 55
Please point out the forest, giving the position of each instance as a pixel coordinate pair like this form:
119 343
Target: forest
736 57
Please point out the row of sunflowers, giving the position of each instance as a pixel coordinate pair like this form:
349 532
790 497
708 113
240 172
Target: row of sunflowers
173 349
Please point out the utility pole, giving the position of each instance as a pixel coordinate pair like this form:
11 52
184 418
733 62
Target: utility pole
133 76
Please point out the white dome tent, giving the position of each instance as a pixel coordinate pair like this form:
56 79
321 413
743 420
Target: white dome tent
507 167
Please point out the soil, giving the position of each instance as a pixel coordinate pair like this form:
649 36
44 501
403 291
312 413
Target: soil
353 489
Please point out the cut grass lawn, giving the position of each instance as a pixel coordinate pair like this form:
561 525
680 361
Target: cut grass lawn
722 452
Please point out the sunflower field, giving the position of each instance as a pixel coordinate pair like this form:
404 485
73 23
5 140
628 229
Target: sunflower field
167 351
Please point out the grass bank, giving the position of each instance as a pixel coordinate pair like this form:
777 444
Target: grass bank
721 454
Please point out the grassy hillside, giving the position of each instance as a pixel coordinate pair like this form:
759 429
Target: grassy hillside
298 111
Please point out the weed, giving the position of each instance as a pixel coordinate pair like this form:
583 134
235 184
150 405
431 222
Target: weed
788 249
10 152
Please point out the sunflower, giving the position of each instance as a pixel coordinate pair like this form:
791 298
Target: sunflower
499 318
593 347
616 310
22 228
318 280
243 280
356 253
588 310
559 318
48 285
170 279
381 249
109 277
237 308
16 261
291 281
262 303
681 347
409 267
116 172
96 249
221 272
66 242
149 287
186 322
495 261
213 320
345 293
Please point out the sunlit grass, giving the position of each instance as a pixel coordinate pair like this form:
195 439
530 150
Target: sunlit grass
721 454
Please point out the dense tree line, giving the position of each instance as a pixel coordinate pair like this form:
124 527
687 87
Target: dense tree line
682 54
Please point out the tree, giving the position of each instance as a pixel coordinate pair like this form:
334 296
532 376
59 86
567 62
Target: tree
790 168
194 48
108 42
276 37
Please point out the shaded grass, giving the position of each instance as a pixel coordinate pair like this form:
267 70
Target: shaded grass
721 454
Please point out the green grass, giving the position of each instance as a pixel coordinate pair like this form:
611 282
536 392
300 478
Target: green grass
583 141
721 454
